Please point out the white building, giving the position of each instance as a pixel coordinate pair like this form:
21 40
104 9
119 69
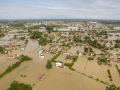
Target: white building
80 54
42 30
58 64
117 28
41 56
73 28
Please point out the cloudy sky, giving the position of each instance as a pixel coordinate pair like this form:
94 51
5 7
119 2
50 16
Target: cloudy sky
60 9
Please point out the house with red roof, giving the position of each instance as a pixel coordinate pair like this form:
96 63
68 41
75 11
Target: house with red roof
42 76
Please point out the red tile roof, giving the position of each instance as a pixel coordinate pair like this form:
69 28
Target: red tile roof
42 76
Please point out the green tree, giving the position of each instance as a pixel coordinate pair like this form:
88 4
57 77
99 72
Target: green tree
19 86
86 50
49 64
112 87
1 49
22 38
1 35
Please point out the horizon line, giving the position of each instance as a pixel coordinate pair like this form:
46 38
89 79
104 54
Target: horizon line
59 19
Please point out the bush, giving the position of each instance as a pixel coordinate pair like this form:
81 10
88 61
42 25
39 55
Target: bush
97 79
111 79
102 81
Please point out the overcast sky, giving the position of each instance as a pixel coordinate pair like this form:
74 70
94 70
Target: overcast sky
60 9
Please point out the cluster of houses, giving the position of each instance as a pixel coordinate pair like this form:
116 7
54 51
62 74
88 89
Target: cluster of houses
18 31
13 56
57 38
12 46
110 58
70 26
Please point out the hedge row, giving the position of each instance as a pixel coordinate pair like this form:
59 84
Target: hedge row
94 78
118 69
54 58
71 64
90 58
109 75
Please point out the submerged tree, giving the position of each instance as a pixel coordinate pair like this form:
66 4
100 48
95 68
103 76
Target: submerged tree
113 87
19 86
49 64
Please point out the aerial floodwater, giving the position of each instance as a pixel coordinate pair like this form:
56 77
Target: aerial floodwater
60 55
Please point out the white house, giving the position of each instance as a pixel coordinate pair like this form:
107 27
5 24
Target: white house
117 28
80 54
22 48
73 28
42 30
41 56
58 64
40 52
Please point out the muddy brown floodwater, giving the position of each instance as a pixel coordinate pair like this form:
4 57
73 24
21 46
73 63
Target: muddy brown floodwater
56 78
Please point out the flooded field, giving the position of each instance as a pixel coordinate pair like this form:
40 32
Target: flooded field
80 64
115 74
113 37
5 63
73 50
65 79
97 71
91 68
114 53
32 69
9 36
97 51
32 46
62 58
